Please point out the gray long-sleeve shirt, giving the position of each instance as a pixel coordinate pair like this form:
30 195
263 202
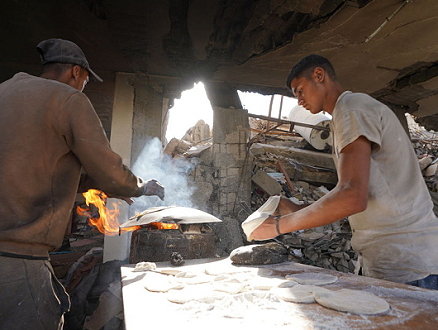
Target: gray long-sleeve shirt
48 132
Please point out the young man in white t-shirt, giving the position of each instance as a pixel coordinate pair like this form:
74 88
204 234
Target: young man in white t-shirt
380 187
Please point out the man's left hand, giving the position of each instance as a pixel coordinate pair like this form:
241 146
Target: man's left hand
153 187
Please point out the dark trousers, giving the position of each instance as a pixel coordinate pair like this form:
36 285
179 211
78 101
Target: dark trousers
30 296
430 282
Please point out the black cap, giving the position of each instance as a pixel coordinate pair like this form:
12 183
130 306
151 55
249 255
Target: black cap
63 51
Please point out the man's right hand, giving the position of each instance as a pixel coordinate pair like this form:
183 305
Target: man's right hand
153 187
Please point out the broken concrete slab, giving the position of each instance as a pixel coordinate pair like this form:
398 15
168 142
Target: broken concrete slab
306 157
176 147
266 183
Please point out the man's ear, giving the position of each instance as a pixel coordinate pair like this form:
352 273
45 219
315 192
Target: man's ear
76 72
319 74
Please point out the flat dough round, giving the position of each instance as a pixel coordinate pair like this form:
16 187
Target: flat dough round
353 301
266 283
229 287
163 286
161 283
259 216
197 279
312 278
298 293
202 293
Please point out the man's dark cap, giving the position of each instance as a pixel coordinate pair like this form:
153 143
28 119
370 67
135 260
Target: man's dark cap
63 51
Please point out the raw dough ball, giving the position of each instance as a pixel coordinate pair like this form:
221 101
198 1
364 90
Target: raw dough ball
312 278
298 293
144 266
353 301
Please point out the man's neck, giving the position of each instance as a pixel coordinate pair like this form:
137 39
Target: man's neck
54 76
332 97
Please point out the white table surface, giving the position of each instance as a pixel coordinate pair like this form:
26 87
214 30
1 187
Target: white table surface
411 307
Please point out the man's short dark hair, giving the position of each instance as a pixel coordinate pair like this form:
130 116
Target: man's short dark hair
306 66
57 68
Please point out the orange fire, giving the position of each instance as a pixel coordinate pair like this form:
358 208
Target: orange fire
162 225
106 220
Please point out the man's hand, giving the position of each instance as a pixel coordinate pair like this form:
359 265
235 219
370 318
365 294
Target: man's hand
266 230
153 187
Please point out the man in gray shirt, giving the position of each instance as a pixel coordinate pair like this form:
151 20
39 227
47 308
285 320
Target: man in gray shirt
380 187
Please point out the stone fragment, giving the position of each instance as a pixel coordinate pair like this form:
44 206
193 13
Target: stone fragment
431 170
425 161
267 183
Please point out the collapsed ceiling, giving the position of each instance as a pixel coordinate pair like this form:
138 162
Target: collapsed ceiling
386 48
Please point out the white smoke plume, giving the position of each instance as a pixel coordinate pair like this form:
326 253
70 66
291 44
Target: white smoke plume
172 173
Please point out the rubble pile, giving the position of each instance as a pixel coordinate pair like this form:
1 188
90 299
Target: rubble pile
327 247
425 144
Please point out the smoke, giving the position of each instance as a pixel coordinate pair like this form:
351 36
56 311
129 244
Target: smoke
171 173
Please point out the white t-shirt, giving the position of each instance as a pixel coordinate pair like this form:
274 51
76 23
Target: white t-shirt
397 235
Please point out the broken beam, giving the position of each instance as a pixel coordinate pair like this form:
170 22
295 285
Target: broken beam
284 121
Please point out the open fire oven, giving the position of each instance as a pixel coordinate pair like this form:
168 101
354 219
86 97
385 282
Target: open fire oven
165 231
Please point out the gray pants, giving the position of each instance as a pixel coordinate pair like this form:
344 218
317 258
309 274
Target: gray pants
30 296
430 282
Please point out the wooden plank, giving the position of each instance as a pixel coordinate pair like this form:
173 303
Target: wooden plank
286 176
411 307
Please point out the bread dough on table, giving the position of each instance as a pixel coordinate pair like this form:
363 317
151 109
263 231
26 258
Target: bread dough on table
298 293
161 283
229 287
201 293
266 284
197 279
144 266
353 301
312 278
186 275
170 271
259 216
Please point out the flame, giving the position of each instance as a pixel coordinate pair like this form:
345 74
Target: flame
106 219
162 225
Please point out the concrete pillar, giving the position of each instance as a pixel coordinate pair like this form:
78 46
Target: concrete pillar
117 247
148 116
231 160
137 117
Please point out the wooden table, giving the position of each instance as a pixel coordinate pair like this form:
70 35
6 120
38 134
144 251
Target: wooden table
411 307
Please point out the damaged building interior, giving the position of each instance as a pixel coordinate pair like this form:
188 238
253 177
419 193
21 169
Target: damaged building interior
148 53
